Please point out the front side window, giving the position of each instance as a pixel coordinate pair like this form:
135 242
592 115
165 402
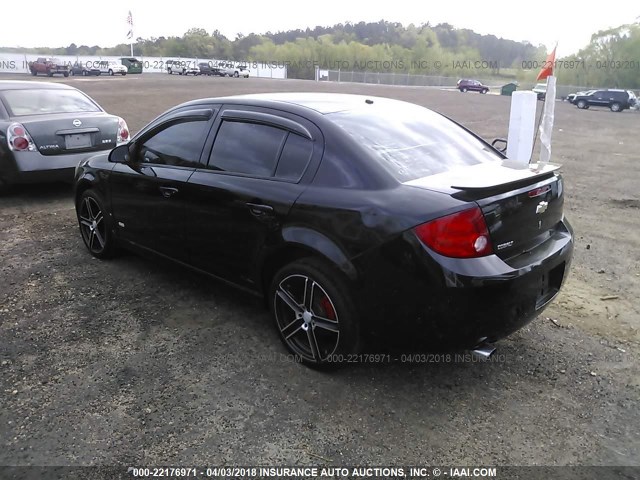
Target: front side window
44 101
247 148
180 144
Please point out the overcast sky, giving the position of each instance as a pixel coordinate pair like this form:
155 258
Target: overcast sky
58 23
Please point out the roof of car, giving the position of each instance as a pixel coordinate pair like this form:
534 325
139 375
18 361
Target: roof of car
27 85
323 103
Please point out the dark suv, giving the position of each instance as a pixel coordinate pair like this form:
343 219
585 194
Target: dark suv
616 100
472 85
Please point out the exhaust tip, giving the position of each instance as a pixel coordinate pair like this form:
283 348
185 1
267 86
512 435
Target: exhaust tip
484 350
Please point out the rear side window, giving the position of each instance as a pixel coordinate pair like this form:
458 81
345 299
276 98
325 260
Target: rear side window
411 142
46 101
248 148
180 144
294 158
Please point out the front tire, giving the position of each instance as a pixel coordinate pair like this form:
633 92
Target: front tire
94 224
615 107
314 313
484 91
581 104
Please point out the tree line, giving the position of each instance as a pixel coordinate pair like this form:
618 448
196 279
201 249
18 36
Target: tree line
612 58
388 46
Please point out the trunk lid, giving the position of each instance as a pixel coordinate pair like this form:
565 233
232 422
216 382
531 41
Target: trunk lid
522 207
62 134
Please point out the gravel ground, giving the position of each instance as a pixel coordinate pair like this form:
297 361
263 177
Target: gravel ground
131 361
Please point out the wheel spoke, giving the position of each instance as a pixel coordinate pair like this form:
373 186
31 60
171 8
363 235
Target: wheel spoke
99 237
293 331
308 293
313 343
92 236
98 218
86 223
87 203
289 300
326 324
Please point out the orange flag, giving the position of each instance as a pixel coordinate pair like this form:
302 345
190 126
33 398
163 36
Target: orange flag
547 69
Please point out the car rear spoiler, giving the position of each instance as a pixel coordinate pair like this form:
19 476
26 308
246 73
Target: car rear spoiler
484 177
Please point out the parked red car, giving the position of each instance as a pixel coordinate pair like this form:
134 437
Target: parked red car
473 85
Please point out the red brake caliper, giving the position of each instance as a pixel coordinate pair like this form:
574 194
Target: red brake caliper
328 308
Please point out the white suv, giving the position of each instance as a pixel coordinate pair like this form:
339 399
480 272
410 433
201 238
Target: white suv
111 68
228 69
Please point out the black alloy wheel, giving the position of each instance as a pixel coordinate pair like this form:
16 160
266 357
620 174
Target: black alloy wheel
94 225
314 313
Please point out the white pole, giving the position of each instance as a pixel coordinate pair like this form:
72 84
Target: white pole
522 126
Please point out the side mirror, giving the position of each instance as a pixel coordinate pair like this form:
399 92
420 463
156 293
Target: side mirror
500 144
120 154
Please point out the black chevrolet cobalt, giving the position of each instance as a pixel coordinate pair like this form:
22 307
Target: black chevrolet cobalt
353 216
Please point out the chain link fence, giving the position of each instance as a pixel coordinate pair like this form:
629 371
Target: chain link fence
413 80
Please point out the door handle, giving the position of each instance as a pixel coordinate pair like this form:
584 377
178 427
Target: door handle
259 210
168 192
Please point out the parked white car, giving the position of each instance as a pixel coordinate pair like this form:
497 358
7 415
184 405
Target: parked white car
112 68
540 90
228 69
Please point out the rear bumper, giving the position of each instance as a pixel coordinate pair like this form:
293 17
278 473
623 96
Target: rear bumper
425 300
32 167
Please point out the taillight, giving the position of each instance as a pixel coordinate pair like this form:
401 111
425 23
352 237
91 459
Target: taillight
459 235
18 139
123 132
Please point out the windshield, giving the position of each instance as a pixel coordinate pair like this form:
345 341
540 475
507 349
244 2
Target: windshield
45 101
413 142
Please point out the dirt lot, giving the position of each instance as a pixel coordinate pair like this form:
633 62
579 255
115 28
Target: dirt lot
135 362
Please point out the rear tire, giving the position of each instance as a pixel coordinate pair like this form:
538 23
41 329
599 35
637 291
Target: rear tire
95 226
111 72
66 74
34 73
314 312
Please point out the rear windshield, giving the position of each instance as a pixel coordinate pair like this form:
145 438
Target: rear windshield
45 101
413 142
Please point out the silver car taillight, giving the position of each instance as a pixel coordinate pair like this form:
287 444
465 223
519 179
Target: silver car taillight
123 132
19 139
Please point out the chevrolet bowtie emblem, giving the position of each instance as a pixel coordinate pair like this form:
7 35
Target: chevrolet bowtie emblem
542 207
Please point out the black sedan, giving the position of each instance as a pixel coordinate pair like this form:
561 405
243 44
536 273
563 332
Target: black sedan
80 68
351 215
47 128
